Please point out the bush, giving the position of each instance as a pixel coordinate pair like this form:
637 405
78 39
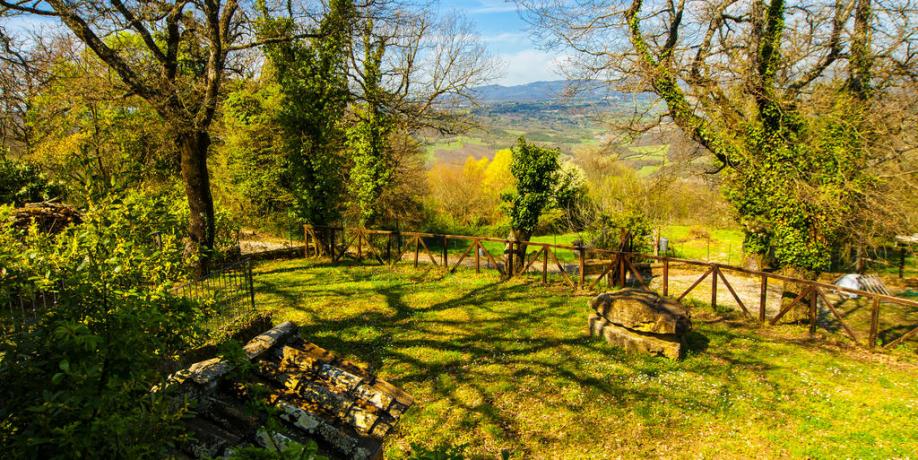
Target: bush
76 382
22 182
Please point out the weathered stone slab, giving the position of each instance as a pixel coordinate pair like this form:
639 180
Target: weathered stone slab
642 311
264 341
669 346
321 396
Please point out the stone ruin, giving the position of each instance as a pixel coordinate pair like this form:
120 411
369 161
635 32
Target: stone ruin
640 321
338 404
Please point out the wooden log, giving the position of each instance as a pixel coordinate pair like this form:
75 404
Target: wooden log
461 258
838 316
445 253
786 309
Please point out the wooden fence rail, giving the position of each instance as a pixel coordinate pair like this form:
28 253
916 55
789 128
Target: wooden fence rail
617 268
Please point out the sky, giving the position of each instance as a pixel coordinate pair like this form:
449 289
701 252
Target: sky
498 22
506 36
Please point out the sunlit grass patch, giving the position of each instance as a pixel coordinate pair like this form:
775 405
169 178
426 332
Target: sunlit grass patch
507 367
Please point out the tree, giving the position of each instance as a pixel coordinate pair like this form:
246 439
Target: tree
186 48
367 137
537 171
253 160
407 72
87 134
312 78
783 95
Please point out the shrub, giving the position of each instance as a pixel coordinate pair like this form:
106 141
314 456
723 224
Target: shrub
76 382
22 182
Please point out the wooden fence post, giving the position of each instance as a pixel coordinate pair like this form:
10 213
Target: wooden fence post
874 322
417 249
359 245
545 264
714 288
622 274
389 249
445 252
813 299
334 250
510 260
582 265
763 298
248 271
665 277
477 255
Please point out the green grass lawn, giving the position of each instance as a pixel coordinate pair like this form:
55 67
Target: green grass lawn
506 367
688 242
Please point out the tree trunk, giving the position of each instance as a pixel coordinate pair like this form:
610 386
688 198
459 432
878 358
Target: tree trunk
519 251
193 147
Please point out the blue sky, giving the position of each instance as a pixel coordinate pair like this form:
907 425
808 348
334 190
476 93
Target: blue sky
498 22
506 35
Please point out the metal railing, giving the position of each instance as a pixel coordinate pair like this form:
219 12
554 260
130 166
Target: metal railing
229 291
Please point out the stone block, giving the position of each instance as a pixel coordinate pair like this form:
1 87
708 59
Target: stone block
654 344
642 311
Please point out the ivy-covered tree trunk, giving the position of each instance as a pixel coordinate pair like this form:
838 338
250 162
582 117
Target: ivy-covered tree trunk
193 148
536 170
519 250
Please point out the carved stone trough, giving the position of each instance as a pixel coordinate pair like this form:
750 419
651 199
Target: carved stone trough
640 321
317 396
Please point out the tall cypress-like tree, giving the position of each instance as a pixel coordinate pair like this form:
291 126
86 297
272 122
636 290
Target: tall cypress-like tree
367 138
313 79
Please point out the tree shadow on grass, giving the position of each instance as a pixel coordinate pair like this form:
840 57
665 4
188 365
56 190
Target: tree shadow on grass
477 347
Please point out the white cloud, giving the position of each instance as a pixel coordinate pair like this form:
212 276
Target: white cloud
506 38
529 65
491 6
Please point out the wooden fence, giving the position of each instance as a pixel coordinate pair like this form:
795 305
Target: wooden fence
589 267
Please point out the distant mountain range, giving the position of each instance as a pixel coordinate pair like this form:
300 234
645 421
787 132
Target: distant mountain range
557 91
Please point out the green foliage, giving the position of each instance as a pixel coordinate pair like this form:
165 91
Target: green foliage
292 450
22 182
606 230
77 381
536 170
312 78
804 178
366 142
255 162
367 139
92 138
